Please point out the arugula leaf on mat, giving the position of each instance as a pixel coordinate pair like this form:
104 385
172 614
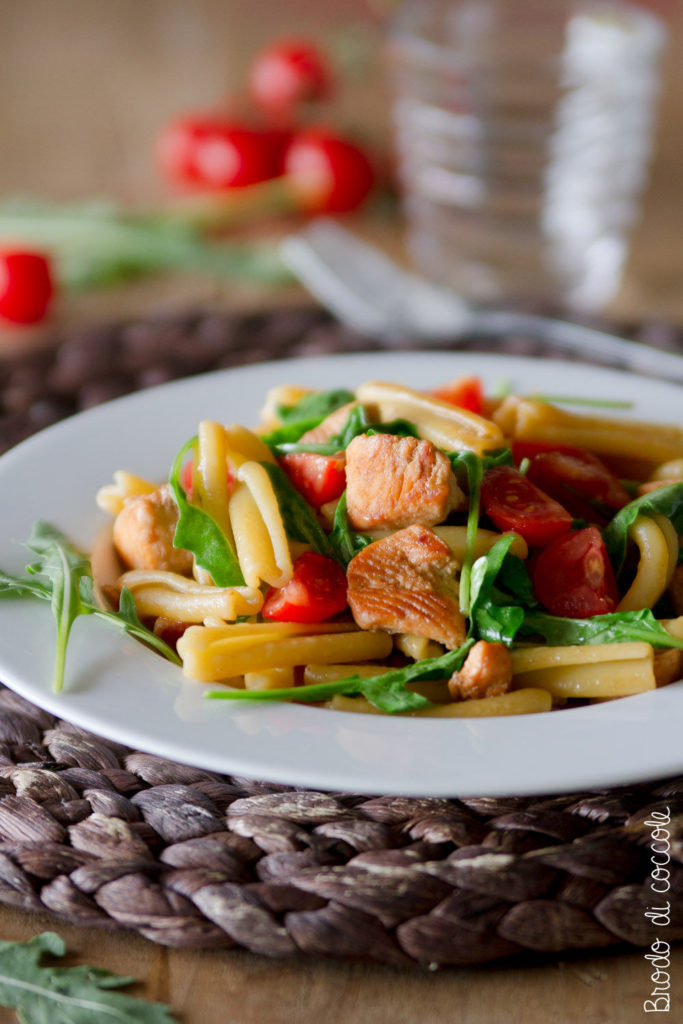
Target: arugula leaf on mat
67 995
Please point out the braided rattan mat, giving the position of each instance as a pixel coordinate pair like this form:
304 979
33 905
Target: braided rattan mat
108 837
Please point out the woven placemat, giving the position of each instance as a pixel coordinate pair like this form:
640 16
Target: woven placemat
104 836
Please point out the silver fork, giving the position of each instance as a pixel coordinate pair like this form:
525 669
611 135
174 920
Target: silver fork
369 292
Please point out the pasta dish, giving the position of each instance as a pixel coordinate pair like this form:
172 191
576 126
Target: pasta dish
389 550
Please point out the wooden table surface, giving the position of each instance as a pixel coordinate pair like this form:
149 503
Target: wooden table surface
90 83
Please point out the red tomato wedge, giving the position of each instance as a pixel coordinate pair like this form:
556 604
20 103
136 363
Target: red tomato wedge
316 591
576 478
465 392
26 286
514 503
319 478
573 576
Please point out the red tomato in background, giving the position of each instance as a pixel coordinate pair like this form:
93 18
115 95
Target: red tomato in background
26 286
287 73
328 173
319 478
576 478
514 503
316 591
465 392
573 576
209 151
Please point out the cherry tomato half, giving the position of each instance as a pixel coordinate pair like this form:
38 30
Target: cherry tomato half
465 392
316 591
319 478
327 173
514 503
26 286
576 478
287 73
573 576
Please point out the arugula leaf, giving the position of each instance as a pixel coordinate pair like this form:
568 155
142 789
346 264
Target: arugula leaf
67 995
387 691
345 541
614 628
357 423
305 414
297 516
98 243
497 615
69 587
197 532
665 501
469 469
64 567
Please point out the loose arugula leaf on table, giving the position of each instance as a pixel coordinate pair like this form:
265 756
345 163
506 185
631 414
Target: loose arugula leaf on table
345 541
387 692
67 995
97 243
665 501
297 516
63 576
197 532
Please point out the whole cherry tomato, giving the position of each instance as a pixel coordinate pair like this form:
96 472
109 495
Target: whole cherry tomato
573 576
319 478
328 173
513 503
316 591
26 286
218 153
287 73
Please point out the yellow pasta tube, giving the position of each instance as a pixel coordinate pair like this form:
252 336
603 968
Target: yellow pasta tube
518 702
417 647
177 597
245 446
672 470
456 538
526 418
111 497
260 539
445 425
210 480
674 626
652 575
270 679
594 671
280 395
241 655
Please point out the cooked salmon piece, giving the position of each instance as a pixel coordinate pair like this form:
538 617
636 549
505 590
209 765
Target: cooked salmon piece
406 583
486 672
144 531
330 426
398 481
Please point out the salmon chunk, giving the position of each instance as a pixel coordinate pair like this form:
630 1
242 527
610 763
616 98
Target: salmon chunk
406 583
487 672
398 481
144 531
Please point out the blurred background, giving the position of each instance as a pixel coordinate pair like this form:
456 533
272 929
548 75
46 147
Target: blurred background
88 84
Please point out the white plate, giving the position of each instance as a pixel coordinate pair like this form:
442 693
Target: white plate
120 690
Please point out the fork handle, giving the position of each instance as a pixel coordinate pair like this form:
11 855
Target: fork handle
570 337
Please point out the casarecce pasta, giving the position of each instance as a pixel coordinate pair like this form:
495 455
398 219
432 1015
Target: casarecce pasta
390 550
